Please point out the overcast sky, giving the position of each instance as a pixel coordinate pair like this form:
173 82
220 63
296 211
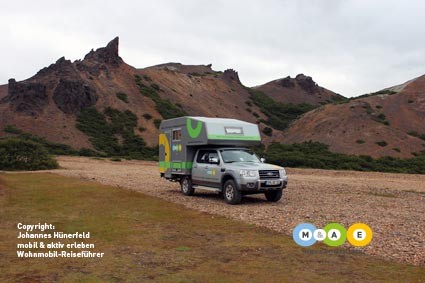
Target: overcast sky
351 47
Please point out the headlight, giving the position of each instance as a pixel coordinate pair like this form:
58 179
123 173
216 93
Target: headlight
248 173
282 172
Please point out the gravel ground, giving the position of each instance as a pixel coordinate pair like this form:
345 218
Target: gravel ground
393 205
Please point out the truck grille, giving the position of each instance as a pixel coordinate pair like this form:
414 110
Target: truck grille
269 174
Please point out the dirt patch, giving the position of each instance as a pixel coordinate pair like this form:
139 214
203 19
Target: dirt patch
384 201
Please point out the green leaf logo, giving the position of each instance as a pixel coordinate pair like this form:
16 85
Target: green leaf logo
193 132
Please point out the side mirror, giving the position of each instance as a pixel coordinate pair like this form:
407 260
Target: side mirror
214 160
262 159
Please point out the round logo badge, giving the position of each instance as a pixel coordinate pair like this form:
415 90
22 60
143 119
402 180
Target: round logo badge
335 234
303 234
359 234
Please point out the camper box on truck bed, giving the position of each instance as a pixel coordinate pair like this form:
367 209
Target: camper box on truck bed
180 138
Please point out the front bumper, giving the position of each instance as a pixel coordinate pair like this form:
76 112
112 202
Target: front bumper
264 185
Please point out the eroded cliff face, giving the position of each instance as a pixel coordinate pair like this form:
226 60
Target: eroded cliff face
28 98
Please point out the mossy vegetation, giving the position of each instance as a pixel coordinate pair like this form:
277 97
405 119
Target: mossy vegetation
317 155
279 115
112 132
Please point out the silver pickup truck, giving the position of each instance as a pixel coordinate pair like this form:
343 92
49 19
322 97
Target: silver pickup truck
213 154
234 172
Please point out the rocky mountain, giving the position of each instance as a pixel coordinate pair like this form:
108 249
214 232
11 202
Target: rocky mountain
390 122
49 103
301 89
102 103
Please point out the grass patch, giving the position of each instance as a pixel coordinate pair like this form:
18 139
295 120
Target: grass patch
317 155
112 132
148 239
279 115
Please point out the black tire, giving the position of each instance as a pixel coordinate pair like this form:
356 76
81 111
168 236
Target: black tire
273 196
230 192
186 186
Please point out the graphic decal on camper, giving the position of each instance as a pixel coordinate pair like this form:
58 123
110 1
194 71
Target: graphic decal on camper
163 141
193 132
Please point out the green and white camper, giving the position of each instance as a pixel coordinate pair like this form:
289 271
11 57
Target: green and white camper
211 152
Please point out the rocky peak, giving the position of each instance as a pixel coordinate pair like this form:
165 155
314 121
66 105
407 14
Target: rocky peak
62 66
231 75
307 83
108 54
287 82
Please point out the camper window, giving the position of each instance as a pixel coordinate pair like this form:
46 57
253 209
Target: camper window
177 135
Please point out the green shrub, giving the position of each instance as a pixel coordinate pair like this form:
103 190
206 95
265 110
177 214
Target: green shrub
147 116
52 147
268 131
279 115
382 143
105 128
249 103
317 155
378 106
396 149
10 129
155 86
164 106
157 123
255 114
20 154
410 101
248 110
88 152
142 129
360 141
416 134
122 96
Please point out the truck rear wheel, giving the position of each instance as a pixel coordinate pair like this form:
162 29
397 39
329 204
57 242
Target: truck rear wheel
186 186
273 196
231 193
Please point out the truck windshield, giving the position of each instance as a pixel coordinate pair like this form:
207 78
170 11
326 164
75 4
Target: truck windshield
238 155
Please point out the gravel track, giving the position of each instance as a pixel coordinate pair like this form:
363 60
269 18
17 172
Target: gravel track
393 205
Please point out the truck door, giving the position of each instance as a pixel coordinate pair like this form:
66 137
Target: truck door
212 172
200 166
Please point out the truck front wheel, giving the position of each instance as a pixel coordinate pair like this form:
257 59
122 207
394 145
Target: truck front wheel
186 186
273 196
230 192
